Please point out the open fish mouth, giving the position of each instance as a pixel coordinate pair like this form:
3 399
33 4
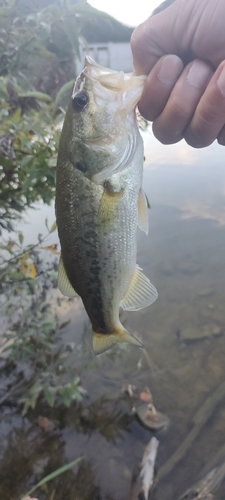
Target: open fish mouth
110 85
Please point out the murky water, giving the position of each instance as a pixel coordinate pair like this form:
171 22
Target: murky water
184 336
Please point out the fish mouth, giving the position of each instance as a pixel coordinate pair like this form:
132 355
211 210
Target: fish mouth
111 85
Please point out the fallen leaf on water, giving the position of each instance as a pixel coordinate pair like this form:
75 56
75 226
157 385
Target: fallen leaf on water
29 498
148 466
45 423
146 396
52 248
129 389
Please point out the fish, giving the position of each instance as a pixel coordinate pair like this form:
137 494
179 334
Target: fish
100 201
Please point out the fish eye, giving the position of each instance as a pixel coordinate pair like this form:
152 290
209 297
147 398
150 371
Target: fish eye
80 100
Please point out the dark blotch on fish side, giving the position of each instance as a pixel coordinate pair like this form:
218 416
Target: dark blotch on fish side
80 166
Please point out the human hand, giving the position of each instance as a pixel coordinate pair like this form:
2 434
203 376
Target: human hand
182 50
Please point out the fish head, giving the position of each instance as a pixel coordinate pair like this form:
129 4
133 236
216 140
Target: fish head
102 98
101 111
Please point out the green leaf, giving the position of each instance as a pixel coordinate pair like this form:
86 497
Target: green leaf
66 395
54 474
31 398
38 95
50 393
148 204
64 89
21 237
54 227
16 117
46 223
50 13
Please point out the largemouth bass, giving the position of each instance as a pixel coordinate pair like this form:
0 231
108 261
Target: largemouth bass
100 202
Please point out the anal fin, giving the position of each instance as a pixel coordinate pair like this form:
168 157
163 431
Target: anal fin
101 342
64 285
141 292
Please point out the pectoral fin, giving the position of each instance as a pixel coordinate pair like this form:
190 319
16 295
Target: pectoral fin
109 205
142 212
102 341
63 282
141 292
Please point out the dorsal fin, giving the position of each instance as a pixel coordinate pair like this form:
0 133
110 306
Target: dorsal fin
64 285
141 292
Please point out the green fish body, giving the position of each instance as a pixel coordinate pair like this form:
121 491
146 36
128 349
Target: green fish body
100 202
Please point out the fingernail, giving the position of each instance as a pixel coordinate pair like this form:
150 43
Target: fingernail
170 69
199 74
221 81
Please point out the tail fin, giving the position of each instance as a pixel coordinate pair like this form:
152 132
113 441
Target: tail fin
103 341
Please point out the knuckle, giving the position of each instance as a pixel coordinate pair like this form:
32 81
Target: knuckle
182 109
205 126
137 40
209 114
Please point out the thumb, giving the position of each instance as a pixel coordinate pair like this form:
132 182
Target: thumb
162 34
151 40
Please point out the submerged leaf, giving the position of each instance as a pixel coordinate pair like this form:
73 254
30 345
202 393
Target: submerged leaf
52 248
50 393
52 476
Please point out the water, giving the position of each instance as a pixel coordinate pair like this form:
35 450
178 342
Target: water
184 336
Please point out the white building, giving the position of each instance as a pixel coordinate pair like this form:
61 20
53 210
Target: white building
112 55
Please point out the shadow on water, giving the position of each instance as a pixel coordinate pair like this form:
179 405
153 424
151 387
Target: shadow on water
184 336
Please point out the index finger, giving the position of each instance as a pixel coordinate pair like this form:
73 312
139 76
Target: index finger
150 41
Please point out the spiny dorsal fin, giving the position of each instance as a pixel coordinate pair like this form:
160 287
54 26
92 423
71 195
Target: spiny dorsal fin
141 292
63 282
101 342
142 212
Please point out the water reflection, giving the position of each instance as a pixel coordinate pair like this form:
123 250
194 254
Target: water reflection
184 336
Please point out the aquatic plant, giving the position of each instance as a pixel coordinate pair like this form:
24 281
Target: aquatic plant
36 359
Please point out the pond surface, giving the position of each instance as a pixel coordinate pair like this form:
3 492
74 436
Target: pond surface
183 363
